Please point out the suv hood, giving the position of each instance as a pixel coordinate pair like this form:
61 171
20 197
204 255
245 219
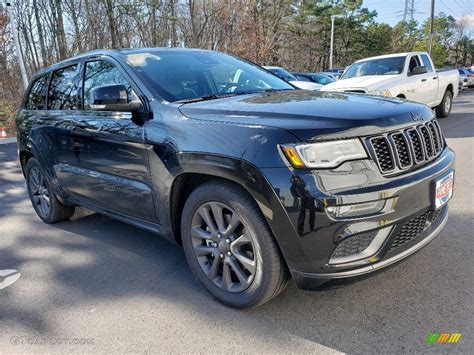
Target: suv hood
369 82
311 115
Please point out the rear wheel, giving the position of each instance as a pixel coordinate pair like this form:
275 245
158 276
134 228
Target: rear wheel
45 203
444 108
229 246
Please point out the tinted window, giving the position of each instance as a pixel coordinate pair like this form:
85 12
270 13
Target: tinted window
101 73
63 90
322 79
427 62
37 96
181 75
302 77
282 73
414 62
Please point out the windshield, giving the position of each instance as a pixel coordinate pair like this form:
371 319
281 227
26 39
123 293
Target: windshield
282 73
382 66
186 75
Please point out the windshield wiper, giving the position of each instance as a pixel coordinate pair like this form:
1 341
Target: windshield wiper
201 98
210 97
220 96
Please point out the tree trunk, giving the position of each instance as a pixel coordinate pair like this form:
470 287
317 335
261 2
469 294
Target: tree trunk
39 26
60 30
112 23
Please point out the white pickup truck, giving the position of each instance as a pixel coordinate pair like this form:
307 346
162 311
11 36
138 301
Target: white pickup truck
410 76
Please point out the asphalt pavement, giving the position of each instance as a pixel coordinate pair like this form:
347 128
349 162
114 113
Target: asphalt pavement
97 285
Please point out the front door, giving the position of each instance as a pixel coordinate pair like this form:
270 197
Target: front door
418 84
113 168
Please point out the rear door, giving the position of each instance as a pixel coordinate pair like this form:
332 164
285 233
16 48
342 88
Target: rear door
113 166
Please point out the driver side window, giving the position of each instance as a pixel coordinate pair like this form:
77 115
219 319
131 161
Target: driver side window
414 62
101 73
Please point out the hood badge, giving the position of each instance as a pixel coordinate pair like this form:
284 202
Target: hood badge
416 116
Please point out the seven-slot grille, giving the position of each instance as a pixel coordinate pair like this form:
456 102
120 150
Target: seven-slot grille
402 150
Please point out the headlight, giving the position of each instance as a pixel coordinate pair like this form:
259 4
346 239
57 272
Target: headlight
324 154
382 92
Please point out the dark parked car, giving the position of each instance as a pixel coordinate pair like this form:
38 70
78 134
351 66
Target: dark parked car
335 73
260 182
318 78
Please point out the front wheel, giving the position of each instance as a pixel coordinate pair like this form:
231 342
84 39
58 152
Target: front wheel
229 246
444 108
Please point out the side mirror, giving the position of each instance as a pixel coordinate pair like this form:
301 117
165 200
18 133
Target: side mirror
418 70
112 98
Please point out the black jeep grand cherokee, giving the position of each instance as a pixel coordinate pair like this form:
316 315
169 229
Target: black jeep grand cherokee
259 181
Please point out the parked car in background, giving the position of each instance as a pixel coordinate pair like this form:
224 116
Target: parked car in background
318 78
260 182
287 76
405 75
467 74
335 72
464 80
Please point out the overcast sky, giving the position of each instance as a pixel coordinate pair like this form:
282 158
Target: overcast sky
391 11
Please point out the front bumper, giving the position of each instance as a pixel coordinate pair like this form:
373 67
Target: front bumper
316 234
305 280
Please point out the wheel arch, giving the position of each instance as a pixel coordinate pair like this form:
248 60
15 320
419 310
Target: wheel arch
450 88
205 167
197 169
24 155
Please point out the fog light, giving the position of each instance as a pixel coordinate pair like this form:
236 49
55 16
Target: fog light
360 246
356 210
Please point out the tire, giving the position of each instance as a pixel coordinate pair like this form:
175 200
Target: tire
42 197
444 108
252 247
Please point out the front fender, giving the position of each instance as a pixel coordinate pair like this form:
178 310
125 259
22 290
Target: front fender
239 171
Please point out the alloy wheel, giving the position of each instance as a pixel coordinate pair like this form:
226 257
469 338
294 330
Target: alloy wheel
447 104
39 191
223 247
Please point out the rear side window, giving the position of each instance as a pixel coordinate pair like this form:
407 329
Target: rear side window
63 90
427 62
102 73
37 96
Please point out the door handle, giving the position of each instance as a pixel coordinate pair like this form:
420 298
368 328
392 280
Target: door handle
435 77
423 79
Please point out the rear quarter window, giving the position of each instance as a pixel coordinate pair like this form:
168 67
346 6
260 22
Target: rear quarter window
64 89
36 99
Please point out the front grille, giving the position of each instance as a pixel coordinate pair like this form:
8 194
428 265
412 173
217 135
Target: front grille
427 141
401 150
384 155
417 146
410 231
401 145
436 137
